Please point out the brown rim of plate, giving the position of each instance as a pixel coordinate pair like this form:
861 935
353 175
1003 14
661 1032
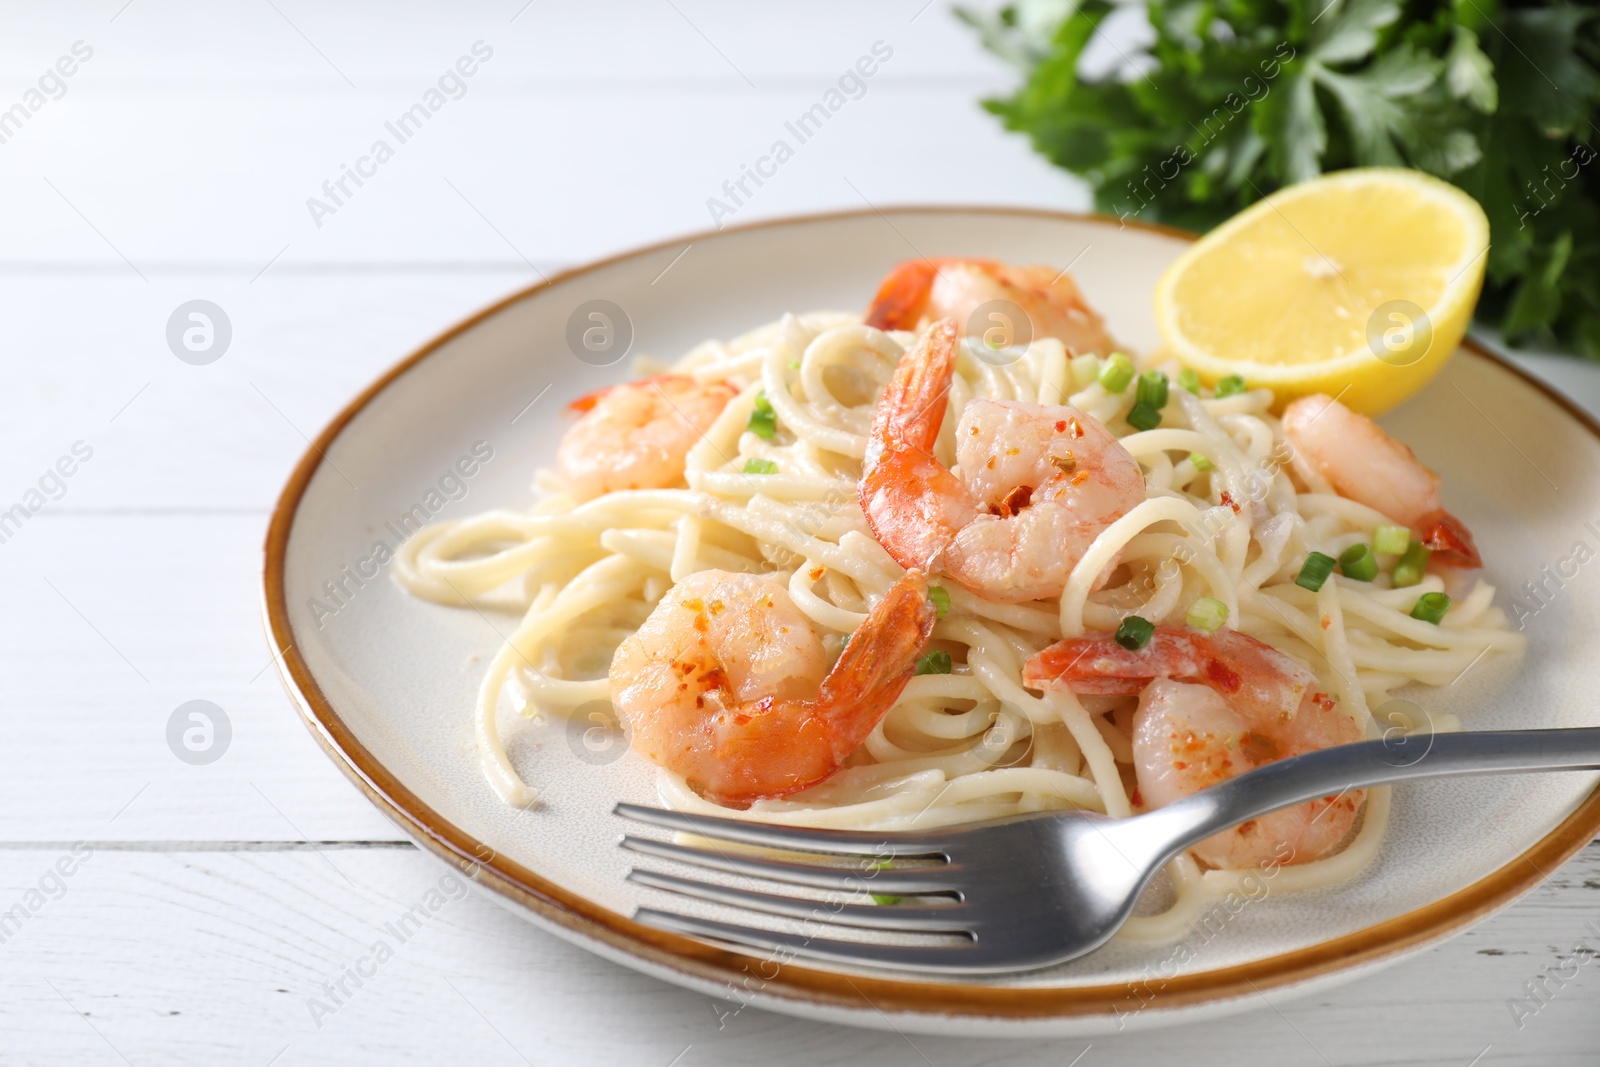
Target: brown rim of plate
580 917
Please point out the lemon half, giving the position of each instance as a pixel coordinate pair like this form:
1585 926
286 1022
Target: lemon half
1359 284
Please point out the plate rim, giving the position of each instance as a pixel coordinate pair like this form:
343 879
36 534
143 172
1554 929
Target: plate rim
576 916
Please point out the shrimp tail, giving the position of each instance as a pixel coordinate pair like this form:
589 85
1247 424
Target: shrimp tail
877 662
1092 665
900 300
902 486
1247 672
584 404
1450 540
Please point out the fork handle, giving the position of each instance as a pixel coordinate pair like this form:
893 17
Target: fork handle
1399 758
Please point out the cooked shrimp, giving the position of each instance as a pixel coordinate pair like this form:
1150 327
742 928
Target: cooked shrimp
919 291
1365 464
637 435
727 684
1212 706
1037 482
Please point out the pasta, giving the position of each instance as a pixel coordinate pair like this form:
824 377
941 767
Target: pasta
1228 512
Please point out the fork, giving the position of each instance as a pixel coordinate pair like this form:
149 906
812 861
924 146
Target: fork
1028 891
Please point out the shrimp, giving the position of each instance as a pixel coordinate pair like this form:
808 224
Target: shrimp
727 684
1368 466
1037 484
1212 706
637 435
919 291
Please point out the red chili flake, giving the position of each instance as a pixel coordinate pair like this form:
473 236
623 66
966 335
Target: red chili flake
816 573
1227 499
1137 798
1326 622
1016 500
1247 828
1061 426
1080 478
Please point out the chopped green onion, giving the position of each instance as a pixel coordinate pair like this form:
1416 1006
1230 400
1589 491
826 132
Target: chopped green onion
1201 463
1143 417
794 364
1189 379
1391 539
1357 562
1430 607
1314 571
935 662
1116 373
1409 568
1134 633
1152 389
1207 614
883 898
940 598
1085 369
1229 386
763 420
760 466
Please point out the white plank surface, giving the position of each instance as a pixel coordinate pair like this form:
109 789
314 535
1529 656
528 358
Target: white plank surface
218 900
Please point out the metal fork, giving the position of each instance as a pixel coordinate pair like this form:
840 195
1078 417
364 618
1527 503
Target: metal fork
1029 891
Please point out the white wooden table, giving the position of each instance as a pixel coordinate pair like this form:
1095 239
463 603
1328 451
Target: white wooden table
207 905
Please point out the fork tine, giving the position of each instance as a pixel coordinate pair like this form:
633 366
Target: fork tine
952 918
966 958
941 879
794 838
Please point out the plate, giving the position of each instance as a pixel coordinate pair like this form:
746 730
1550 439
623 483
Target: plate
386 681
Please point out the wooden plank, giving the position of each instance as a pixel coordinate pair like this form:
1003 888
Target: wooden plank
541 177
375 44
222 956
127 617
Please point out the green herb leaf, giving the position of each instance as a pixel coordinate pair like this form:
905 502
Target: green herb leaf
1470 73
760 466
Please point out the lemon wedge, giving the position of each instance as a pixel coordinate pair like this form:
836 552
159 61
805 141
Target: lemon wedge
1359 284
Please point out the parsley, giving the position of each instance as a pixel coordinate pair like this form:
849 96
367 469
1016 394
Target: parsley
1233 99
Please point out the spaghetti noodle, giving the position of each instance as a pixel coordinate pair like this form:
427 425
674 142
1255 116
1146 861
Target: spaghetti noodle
1228 513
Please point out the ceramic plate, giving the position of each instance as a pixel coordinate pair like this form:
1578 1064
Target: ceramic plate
386 682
